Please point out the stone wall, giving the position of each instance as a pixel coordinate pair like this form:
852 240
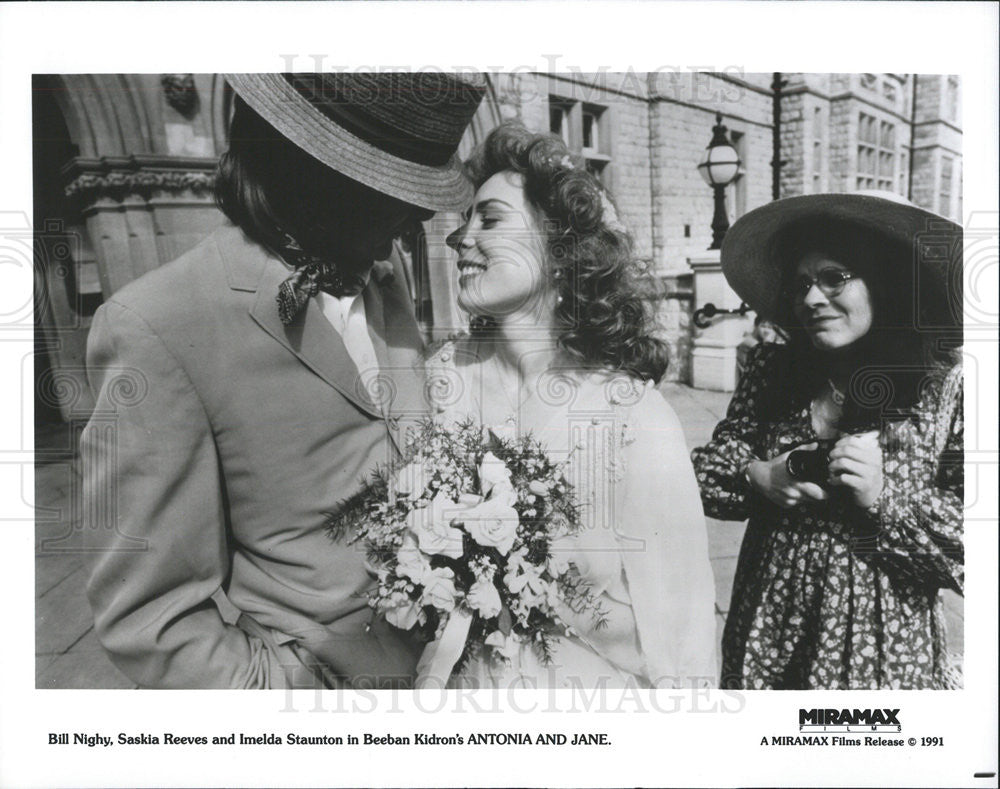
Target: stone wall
937 144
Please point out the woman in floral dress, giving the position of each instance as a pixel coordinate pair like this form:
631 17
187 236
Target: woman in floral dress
847 547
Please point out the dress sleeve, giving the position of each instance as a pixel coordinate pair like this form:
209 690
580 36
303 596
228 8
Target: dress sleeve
720 464
154 519
915 527
664 548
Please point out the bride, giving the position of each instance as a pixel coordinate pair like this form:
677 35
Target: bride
561 348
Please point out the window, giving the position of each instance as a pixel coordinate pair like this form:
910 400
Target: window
559 119
876 168
584 129
591 132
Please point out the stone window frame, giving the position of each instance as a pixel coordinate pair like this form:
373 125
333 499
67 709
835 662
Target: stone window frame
876 143
572 113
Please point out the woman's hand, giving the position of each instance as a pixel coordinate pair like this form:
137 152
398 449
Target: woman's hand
856 466
771 478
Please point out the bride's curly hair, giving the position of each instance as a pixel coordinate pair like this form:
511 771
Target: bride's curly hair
602 316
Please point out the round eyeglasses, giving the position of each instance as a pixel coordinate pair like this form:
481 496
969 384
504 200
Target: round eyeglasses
831 281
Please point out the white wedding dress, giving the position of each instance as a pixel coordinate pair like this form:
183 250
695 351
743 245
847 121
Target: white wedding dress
643 546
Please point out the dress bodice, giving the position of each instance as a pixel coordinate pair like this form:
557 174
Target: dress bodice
625 456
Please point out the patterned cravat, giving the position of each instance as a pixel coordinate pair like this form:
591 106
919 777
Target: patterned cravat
311 274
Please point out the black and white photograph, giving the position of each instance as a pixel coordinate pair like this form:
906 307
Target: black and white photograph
613 388
242 395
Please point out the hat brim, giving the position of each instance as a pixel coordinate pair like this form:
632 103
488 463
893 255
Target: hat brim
444 188
752 268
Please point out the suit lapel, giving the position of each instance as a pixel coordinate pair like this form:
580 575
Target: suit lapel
312 339
319 346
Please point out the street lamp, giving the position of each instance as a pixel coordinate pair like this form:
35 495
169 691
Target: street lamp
719 167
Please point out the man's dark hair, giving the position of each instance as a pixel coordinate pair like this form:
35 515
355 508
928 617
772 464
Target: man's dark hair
268 186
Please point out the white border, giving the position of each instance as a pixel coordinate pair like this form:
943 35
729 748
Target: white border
648 749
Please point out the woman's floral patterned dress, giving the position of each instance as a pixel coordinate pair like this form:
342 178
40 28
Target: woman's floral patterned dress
827 595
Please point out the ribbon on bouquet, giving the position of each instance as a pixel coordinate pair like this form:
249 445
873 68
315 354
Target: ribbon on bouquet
440 656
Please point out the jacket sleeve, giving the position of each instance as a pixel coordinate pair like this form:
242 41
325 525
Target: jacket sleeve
719 465
155 521
915 528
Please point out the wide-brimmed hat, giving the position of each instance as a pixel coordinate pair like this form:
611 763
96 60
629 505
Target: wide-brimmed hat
396 132
929 243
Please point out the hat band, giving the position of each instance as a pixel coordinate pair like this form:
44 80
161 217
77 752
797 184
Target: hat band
384 136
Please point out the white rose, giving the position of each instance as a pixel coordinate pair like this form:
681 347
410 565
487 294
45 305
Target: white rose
439 589
431 525
484 598
492 524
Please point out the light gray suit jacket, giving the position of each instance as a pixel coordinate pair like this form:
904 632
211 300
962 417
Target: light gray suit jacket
220 439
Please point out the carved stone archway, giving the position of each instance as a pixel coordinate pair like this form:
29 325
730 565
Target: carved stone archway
133 191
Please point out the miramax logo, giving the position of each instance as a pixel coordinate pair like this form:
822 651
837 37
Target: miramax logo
882 719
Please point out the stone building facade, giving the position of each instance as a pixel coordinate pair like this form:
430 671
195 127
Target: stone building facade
123 172
833 132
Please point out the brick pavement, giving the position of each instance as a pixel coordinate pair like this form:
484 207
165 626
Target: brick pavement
67 654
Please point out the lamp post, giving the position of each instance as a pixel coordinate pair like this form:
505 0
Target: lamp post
719 167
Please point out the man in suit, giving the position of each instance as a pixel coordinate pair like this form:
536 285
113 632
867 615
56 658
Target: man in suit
246 388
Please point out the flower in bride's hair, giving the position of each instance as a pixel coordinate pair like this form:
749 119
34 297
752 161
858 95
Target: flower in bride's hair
433 529
484 598
439 589
493 524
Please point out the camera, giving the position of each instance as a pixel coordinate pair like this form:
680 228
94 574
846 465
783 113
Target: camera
810 465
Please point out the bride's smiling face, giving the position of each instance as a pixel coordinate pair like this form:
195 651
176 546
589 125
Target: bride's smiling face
501 251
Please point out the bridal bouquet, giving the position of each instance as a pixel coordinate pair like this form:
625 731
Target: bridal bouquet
461 536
